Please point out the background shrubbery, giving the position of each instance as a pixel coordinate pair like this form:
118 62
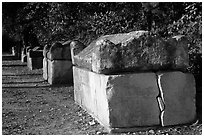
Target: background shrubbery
44 23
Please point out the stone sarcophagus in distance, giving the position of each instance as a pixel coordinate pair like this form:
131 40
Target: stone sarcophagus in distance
23 55
57 65
134 80
34 58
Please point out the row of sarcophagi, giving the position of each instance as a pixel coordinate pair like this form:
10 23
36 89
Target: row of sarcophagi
110 54
124 80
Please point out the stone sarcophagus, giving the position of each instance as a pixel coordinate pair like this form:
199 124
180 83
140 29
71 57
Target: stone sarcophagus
45 61
35 58
57 65
132 80
133 52
24 52
23 55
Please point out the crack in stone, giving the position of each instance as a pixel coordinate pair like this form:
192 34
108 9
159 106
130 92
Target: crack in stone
160 99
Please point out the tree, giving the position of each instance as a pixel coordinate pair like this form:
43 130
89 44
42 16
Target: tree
47 22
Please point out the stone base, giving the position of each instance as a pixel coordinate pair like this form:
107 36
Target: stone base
35 63
45 68
13 51
59 72
179 96
23 55
129 101
23 58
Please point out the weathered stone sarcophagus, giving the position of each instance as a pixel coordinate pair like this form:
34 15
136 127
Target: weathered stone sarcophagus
24 51
13 51
57 65
23 55
45 61
133 80
35 58
16 50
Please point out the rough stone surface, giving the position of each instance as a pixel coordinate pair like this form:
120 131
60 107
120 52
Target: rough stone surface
35 53
59 52
76 48
87 55
67 43
23 58
66 46
131 100
35 58
28 56
45 61
23 55
57 65
59 71
46 50
179 47
28 48
135 51
13 51
35 63
127 100
179 97
24 50
28 60
45 68
37 48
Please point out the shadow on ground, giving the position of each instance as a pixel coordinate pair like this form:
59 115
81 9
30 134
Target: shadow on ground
9 57
25 82
20 65
37 86
21 75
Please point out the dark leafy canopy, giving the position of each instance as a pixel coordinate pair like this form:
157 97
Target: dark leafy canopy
41 23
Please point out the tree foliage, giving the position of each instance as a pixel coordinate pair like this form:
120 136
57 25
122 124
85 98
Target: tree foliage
41 23
190 24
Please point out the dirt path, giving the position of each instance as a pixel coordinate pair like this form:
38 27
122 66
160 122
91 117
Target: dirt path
31 106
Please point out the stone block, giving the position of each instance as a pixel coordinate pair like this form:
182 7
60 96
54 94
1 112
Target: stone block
35 63
66 43
136 100
45 61
23 55
59 51
37 48
28 60
134 52
118 101
27 55
35 53
28 48
178 51
46 50
59 71
24 50
35 59
13 51
45 68
23 58
57 63
76 47
179 98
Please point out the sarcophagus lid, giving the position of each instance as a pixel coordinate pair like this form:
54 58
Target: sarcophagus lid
136 51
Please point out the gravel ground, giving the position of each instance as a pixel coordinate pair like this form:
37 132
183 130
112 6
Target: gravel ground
30 106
